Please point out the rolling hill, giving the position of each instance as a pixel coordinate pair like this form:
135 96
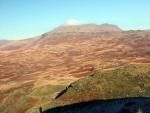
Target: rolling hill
33 71
120 90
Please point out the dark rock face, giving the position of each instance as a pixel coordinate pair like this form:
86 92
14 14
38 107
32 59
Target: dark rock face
63 91
126 105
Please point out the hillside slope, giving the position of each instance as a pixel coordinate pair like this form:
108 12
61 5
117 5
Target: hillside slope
56 59
127 81
123 86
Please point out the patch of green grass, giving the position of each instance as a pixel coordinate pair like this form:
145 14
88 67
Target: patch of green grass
17 101
47 90
128 81
25 99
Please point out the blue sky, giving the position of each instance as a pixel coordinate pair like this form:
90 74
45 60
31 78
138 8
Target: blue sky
21 19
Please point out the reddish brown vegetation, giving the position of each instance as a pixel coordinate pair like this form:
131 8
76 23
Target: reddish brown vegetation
69 54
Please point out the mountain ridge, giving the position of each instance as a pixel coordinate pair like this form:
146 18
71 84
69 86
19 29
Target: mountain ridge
3 42
87 28
34 70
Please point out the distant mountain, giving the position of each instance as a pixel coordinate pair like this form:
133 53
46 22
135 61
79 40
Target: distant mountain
17 44
2 42
87 28
34 71
52 36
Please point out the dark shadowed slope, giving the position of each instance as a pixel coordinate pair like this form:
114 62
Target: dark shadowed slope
125 105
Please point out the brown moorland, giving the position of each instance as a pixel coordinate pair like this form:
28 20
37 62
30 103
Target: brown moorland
67 54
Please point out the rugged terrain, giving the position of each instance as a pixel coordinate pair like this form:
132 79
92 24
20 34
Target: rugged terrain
112 89
34 71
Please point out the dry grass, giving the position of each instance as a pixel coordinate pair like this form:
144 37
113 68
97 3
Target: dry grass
59 59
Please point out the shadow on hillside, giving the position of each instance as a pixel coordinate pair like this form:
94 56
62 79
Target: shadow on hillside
124 105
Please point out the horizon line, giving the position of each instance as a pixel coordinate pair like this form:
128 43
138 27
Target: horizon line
65 25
